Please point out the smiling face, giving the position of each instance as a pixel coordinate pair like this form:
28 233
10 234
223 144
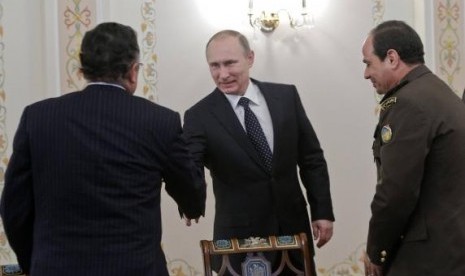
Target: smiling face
380 72
229 64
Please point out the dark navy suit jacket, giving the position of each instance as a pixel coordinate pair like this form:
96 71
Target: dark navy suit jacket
82 189
249 200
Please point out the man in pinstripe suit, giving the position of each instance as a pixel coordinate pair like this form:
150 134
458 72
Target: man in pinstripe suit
82 189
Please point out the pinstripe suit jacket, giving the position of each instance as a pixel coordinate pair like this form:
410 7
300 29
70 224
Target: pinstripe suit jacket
82 189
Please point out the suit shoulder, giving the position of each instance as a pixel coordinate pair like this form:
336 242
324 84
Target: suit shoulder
152 105
278 89
275 85
206 101
45 103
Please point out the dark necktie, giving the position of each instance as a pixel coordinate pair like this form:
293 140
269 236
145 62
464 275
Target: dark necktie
255 133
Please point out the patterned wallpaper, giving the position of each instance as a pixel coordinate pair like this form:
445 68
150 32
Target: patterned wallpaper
378 11
79 16
449 39
3 135
148 55
6 255
75 18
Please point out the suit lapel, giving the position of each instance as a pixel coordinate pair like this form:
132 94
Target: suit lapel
223 112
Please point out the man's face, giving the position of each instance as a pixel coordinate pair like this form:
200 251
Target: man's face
229 65
379 72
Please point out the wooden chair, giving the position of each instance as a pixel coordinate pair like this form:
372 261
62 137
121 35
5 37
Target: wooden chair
255 262
11 270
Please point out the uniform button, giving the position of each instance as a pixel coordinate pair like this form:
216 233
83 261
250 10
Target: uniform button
383 253
383 260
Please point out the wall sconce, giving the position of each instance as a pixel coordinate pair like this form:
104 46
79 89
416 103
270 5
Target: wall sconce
269 21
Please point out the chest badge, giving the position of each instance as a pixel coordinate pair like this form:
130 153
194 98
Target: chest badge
386 134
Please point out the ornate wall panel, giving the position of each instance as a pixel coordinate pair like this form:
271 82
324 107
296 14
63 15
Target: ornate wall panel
449 42
352 266
378 11
6 255
147 47
75 18
3 135
180 267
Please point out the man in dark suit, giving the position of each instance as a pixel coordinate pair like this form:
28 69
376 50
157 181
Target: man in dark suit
255 181
418 211
82 189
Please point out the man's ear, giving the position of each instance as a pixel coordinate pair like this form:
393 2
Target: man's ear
133 73
130 79
393 58
250 58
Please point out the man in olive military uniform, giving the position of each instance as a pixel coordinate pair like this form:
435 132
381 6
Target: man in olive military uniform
418 211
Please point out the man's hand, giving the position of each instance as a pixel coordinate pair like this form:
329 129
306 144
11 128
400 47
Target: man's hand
322 231
370 268
189 221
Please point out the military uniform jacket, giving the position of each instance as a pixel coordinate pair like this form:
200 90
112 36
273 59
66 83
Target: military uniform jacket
418 212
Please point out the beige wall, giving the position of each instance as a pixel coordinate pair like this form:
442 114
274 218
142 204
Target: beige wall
323 62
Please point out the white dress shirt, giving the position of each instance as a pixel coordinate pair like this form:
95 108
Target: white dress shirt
259 108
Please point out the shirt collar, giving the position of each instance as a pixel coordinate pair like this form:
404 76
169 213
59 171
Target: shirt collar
251 93
106 83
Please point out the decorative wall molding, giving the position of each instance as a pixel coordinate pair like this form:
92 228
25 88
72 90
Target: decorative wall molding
377 11
352 266
149 57
78 17
3 134
6 255
449 38
180 267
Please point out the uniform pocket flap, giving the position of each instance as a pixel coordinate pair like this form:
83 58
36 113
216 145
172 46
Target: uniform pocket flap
417 230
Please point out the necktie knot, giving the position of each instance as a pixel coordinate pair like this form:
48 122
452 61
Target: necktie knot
243 101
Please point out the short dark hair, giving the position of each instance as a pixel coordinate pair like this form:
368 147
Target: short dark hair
399 36
231 33
108 51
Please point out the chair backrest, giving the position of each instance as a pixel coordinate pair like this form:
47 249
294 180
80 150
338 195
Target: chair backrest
10 270
255 262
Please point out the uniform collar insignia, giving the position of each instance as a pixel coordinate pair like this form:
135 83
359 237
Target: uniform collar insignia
387 103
